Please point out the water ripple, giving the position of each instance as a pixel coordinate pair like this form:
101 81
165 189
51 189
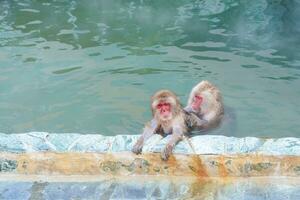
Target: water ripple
97 63
143 71
210 58
66 70
204 44
286 78
30 10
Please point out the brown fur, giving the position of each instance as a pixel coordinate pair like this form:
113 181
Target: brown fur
209 115
212 109
175 125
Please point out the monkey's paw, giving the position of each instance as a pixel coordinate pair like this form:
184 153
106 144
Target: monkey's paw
137 148
167 151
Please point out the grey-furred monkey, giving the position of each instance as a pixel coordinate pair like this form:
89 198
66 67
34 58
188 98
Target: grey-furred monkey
168 118
205 107
204 110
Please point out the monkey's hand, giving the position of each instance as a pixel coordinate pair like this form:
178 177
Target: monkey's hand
188 109
194 121
138 147
167 151
201 122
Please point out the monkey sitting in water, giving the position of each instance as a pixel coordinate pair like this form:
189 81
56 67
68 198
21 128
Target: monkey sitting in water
205 107
204 110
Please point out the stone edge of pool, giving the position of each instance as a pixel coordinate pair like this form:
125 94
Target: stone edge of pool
44 154
202 144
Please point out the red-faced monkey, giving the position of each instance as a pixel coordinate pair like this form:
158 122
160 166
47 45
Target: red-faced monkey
168 118
203 111
205 107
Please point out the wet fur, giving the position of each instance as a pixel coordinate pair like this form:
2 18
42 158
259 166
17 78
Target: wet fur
212 108
182 120
175 126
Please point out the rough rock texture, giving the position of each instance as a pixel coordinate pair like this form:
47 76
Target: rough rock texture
242 189
203 144
43 166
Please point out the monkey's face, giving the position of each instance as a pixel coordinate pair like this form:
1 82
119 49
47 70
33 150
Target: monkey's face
164 105
164 110
196 103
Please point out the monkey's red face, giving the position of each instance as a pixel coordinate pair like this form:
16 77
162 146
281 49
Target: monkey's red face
197 101
164 110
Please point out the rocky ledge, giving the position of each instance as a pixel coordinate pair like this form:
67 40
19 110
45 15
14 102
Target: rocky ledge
203 144
40 165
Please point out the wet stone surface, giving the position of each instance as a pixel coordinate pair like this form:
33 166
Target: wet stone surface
140 185
203 144
242 189
8 165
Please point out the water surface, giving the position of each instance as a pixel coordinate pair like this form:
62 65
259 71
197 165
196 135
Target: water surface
91 66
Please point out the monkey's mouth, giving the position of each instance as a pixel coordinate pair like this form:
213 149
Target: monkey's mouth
166 117
165 114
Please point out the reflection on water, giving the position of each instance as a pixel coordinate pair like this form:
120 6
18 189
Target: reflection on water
91 67
137 187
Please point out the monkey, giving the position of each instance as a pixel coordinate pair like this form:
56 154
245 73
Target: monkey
168 118
205 107
204 110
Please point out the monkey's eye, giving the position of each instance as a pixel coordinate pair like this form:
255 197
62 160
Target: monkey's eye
159 106
197 97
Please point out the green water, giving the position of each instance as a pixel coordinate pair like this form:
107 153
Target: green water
91 66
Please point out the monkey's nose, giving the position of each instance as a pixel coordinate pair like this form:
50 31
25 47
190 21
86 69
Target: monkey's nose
165 110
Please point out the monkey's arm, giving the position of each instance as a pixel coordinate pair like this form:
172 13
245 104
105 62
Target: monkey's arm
188 109
177 135
149 130
195 121
194 116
